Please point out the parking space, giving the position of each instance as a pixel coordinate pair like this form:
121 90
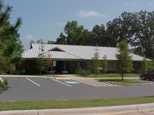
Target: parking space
88 81
41 89
50 88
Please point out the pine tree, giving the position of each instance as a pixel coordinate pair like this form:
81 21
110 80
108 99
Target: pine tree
10 44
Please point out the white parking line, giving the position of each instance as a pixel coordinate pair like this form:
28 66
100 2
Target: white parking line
33 82
61 82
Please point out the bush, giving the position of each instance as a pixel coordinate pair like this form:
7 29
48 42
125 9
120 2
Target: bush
33 67
83 72
3 84
147 66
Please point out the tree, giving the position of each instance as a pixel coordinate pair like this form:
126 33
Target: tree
147 65
4 64
151 65
98 34
144 25
124 60
76 34
10 44
137 28
96 63
115 31
50 42
73 33
61 39
34 67
87 38
144 66
104 64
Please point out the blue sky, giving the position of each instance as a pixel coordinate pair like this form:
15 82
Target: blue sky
45 19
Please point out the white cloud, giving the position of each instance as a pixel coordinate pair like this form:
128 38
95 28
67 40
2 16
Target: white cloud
86 14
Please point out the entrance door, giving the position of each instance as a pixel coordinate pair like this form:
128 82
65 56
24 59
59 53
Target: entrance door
60 66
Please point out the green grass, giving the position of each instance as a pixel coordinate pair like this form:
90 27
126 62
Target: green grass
29 105
113 75
125 82
129 79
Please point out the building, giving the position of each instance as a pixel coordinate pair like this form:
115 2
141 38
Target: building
64 58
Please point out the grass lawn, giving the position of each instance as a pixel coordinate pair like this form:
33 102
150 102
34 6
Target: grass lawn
113 76
28 105
125 82
129 79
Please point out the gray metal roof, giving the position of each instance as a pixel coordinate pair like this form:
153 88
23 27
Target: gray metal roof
73 52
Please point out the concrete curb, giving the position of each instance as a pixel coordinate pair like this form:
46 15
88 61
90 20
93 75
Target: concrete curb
85 111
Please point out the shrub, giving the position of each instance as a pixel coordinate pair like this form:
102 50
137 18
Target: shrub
33 67
3 84
83 72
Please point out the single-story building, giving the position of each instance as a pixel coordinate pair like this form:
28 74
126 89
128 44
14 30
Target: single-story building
64 58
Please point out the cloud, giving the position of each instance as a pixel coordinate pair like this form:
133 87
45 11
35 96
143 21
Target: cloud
86 14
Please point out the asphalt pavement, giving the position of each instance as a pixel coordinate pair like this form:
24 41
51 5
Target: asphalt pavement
50 89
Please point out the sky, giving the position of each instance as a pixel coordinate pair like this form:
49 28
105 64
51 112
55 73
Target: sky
45 19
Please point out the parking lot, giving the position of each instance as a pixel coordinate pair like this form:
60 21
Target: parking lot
29 88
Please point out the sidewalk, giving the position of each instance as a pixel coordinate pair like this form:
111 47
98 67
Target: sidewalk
140 109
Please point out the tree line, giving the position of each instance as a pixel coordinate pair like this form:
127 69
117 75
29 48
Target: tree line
135 27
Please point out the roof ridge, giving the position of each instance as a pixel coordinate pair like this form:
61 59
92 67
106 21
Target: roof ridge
75 45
